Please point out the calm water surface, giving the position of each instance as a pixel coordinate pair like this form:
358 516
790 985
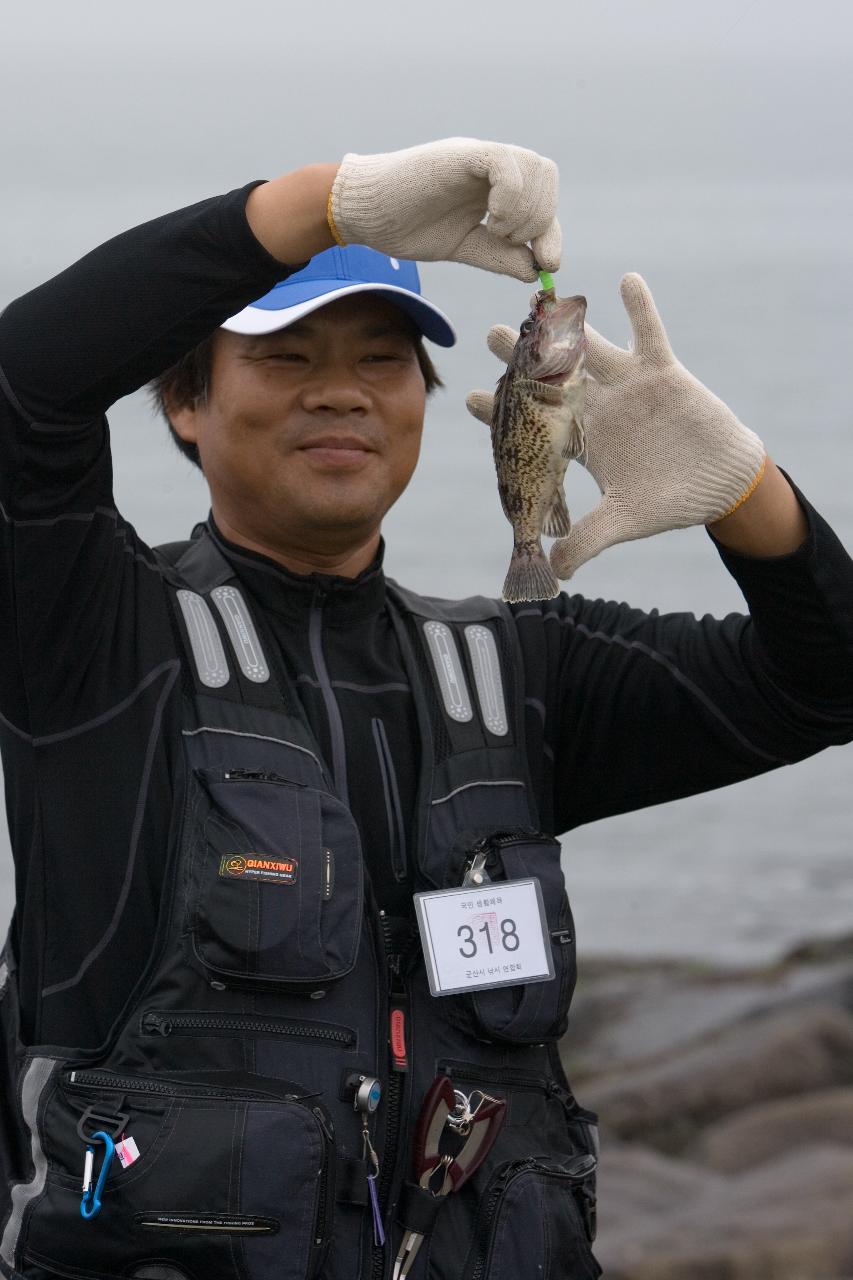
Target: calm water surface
754 283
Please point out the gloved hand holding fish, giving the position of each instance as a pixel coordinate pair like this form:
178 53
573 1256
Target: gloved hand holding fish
664 451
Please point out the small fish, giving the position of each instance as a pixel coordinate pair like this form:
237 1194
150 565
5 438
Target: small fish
537 427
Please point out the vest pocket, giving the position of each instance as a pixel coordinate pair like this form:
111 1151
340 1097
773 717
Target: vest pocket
536 1011
275 883
228 1182
531 1222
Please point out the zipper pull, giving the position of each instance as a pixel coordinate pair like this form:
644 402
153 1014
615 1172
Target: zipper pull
156 1024
397 1035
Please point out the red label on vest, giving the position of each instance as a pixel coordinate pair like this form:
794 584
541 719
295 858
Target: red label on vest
398 1040
252 867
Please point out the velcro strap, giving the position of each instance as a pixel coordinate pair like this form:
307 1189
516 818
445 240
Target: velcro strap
351 1181
417 1208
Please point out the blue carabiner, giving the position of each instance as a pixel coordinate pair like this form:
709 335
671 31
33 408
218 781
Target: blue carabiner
90 1205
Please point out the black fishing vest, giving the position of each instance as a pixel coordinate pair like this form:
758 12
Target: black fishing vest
276 988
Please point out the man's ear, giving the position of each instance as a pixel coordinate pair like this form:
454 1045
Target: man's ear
184 420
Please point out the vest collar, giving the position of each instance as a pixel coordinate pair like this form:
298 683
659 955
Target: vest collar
291 595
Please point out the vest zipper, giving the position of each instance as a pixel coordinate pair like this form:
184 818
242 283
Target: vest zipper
581 1168
258 775
97 1078
155 1022
393 808
397 999
509 1077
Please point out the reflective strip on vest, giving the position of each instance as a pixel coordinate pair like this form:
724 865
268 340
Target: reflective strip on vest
242 633
448 669
207 648
35 1080
483 652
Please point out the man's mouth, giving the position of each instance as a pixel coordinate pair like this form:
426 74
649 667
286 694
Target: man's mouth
337 450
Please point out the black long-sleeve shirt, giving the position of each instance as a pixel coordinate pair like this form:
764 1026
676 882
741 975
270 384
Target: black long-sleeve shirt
624 708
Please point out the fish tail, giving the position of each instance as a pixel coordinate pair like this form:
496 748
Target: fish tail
530 576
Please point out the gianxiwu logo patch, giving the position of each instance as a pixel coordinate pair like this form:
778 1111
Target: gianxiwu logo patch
251 866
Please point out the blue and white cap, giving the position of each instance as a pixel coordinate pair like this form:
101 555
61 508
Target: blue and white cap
335 273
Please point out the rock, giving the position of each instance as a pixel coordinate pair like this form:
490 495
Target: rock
787 1221
726 1102
622 1014
767 1056
763 1132
637 1185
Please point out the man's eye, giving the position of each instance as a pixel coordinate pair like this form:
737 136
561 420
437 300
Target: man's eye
383 355
289 357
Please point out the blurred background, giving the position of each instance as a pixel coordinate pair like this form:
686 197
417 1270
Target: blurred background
704 145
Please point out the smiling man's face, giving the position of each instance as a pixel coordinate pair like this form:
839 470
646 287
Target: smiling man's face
310 434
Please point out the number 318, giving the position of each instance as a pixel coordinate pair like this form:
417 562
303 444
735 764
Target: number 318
509 938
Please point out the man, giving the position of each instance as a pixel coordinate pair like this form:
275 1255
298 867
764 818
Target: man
231 762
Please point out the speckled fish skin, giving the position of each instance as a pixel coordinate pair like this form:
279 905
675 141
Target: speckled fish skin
537 427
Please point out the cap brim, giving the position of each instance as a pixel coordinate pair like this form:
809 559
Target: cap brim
432 322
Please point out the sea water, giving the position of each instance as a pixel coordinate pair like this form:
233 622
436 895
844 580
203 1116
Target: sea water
753 280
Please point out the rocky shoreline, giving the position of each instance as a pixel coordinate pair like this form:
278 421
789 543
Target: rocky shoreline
726 1107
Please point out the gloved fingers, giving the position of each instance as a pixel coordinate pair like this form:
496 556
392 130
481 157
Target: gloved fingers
593 532
483 248
604 360
548 247
481 405
523 194
650 338
501 341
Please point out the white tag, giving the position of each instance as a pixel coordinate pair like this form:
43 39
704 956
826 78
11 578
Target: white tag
492 936
127 1151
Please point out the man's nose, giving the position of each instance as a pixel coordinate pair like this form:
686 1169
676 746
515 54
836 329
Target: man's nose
335 391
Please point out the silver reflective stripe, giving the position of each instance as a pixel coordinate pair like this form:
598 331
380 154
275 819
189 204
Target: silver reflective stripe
448 668
37 1075
483 653
242 633
4 976
484 782
206 645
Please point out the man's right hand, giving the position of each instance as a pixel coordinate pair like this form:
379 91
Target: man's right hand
429 202
426 203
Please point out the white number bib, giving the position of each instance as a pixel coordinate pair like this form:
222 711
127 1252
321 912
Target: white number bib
491 936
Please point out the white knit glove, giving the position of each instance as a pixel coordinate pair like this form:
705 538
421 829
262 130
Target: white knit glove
428 203
663 450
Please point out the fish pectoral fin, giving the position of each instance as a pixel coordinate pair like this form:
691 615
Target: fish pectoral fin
546 391
557 522
576 442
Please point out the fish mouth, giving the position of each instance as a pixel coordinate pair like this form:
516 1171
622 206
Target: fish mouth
562 344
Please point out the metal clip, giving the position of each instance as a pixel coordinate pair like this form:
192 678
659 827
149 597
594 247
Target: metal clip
90 1205
475 871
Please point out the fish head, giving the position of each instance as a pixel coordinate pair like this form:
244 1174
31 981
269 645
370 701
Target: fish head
551 343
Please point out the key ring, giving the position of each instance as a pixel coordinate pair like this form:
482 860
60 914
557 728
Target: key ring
90 1205
462 1122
